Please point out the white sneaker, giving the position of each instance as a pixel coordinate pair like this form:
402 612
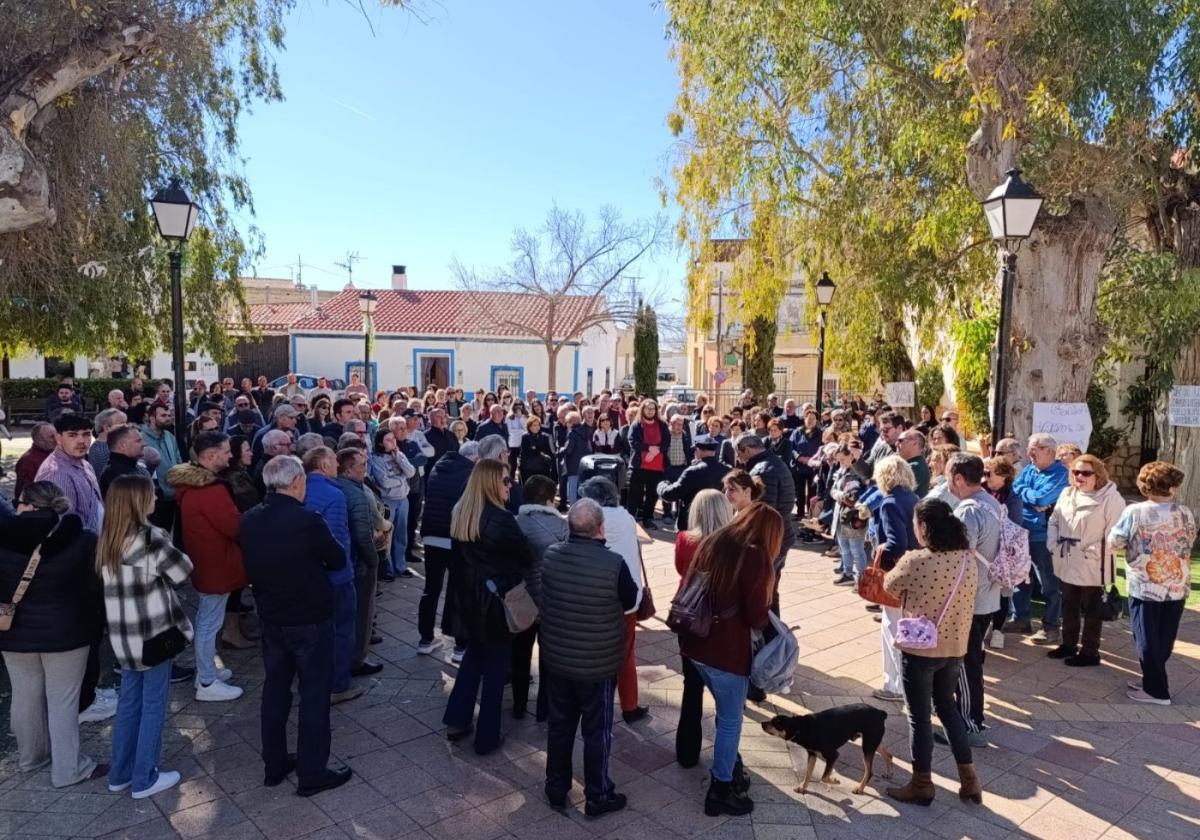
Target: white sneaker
165 781
1140 696
102 708
427 648
997 641
223 674
216 692
119 788
457 656
107 693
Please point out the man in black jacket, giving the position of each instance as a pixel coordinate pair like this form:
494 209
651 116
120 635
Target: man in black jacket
287 551
704 474
779 491
446 483
586 590
439 437
352 472
495 425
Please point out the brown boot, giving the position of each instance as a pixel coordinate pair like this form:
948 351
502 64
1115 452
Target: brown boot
919 790
231 633
969 790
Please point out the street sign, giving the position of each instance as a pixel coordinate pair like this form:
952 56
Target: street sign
731 358
720 376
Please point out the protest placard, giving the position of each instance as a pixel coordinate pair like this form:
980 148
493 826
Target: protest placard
1067 422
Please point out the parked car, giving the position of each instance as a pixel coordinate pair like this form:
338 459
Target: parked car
679 393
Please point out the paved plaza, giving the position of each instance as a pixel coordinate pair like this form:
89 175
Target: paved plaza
1071 756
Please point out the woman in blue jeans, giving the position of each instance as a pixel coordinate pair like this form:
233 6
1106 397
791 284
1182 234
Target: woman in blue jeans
737 565
140 569
391 471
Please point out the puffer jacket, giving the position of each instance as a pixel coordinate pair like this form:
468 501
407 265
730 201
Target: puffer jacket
444 487
1077 532
323 496
501 554
63 608
211 529
543 526
779 489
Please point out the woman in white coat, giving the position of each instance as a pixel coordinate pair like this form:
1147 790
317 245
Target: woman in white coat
1083 516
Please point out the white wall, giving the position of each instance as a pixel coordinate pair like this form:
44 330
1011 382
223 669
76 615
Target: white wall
474 359
33 366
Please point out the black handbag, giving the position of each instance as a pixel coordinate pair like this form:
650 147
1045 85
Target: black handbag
166 645
1112 605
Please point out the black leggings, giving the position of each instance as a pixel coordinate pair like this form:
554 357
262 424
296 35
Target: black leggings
643 493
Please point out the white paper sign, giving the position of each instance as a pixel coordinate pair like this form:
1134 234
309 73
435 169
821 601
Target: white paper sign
900 394
1184 406
1067 422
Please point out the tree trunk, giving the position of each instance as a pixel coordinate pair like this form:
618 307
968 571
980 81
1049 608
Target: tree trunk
1055 338
759 374
552 367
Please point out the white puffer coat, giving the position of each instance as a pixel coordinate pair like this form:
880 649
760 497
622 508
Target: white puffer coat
1077 532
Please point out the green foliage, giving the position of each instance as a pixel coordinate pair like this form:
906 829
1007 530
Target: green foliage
92 389
645 351
972 369
1105 439
759 370
930 385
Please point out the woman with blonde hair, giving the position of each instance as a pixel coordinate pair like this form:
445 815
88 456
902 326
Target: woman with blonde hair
1157 535
893 526
494 556
147 626
709 512
1077 533
737 565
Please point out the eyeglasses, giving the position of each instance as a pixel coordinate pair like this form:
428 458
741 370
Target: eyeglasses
1081 473
987 474
507 481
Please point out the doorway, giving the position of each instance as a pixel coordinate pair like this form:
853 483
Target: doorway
433 369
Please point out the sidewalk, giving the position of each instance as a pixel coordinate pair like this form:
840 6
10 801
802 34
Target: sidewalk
1072 757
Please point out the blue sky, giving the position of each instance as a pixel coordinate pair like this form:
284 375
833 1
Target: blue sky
429 141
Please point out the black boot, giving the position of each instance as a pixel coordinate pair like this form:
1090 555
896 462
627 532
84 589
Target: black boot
741 779
723 799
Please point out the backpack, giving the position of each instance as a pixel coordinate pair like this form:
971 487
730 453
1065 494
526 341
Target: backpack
691 613
1010 567
774 664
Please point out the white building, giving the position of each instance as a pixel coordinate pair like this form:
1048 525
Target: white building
34 365
455 338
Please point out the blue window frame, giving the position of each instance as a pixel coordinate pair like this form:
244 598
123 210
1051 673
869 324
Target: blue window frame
506 374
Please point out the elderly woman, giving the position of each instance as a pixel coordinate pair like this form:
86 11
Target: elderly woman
938 457
893 525
1083 517
58 616
1066 453
1157 536
621 535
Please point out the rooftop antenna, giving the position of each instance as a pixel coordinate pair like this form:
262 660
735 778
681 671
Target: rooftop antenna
351 258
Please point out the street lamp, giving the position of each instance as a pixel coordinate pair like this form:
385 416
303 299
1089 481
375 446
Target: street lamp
176 217
1011 211
825 290
367 301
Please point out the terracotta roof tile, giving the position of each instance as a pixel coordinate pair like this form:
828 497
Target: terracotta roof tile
277 317
431 312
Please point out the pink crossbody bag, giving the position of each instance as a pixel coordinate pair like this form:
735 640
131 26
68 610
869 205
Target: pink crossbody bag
918 632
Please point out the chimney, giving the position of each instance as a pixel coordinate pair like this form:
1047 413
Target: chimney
399 278
315 300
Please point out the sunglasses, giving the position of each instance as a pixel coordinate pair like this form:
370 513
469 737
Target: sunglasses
987 474
507 481
1081 473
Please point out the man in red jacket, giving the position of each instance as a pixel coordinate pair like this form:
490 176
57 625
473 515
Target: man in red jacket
211 526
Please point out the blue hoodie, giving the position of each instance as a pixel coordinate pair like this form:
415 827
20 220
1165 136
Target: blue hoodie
323 496
1039 488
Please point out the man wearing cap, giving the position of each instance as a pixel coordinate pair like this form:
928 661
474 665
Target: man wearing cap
705 473
284 420
243 422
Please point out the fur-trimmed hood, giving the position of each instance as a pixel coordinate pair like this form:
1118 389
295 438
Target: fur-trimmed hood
190 475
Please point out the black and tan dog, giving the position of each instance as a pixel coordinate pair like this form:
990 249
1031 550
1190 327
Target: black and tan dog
822 733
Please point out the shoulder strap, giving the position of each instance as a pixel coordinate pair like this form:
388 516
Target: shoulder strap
30 569
962 568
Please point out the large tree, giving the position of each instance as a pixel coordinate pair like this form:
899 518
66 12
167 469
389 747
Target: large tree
859 138
580 276
101 103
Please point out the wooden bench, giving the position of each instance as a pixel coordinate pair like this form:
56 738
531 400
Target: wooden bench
29 410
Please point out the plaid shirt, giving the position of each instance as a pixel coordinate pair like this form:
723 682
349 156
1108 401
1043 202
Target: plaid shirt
140 598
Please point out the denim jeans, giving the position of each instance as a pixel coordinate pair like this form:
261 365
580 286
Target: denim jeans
929 682
345 624
399 509
854 553
304 651
572 489
729 691
137 733
210 615
1043 567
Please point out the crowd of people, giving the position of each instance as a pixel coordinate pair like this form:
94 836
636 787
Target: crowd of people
284 512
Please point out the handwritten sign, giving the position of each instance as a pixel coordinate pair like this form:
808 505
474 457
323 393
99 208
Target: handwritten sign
900 394
1184 406
1067 422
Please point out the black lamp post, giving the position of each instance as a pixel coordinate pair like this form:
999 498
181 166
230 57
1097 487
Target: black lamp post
1011 211
176 217
367 301
825 289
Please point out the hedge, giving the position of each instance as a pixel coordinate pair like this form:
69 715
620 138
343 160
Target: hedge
93 389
